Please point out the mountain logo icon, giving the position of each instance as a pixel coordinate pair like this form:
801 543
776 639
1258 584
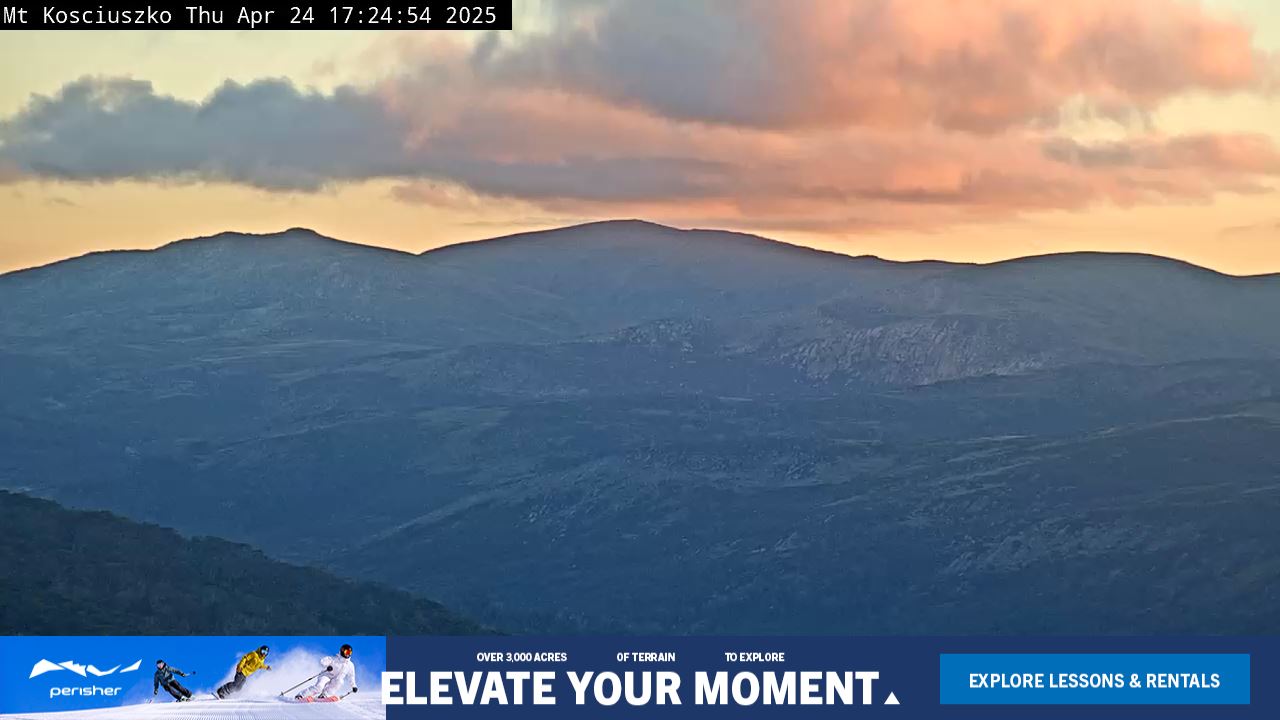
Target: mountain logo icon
46 666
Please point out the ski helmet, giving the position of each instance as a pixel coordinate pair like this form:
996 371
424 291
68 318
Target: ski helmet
159 663
345 651
264 650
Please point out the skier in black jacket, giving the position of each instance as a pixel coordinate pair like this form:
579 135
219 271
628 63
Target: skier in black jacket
164 679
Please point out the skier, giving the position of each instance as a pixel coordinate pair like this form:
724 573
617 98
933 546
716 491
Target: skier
164 679
248 665
339 671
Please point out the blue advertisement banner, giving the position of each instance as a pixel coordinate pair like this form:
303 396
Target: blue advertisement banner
827 677
283 678
104 678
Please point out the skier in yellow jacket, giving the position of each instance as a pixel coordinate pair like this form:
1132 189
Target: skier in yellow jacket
248 665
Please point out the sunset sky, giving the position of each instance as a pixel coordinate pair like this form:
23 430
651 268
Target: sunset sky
968 130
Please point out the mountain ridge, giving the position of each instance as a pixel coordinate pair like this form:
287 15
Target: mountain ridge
749 437
532 236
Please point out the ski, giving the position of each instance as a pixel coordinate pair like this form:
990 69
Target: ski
323 698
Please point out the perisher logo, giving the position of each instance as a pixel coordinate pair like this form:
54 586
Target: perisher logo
85 671
46 666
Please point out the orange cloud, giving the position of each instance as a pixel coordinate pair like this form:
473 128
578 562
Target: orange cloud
816 116
975 66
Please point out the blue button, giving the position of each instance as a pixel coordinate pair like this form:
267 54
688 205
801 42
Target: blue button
1093 679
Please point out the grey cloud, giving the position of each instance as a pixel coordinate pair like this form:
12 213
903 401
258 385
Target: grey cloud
267 134
1069 151
1242 153
273 136
686 60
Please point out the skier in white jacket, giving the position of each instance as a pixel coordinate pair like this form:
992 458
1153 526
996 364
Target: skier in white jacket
339 673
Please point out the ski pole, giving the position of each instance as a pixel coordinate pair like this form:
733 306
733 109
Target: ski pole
304 682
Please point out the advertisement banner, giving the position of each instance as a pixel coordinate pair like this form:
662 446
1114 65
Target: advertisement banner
740 678
829 677
88 678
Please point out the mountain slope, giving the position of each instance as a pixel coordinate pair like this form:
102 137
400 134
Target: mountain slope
761 436
1157 527
74 573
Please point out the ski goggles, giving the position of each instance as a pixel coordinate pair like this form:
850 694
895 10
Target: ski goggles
346 652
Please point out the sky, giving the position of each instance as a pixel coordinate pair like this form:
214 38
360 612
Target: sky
966 130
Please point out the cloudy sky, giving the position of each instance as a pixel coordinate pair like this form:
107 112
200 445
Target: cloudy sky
958 129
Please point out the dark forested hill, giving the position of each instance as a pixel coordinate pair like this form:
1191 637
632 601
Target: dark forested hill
623 426
68 572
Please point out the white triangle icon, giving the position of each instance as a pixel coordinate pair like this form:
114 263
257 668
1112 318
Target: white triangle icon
893 700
